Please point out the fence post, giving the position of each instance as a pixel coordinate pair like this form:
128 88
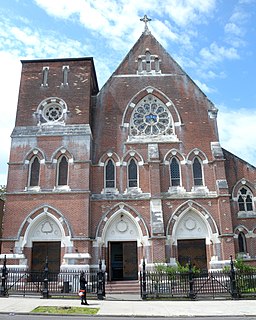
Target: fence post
191 282
233 286
46 280
100 282
144 281
3 289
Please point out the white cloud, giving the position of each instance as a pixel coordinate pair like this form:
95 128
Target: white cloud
233 29
204 87
9 83
237 132
215 54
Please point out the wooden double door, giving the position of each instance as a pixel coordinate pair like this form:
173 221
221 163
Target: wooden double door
43 250
123 261
193 250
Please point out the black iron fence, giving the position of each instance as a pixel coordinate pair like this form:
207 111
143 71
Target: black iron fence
195 285
47 283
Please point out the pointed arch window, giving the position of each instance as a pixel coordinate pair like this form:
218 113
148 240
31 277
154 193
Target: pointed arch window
110 175
245 202
34 172
132 174
197 172
242 242
62 171
175 172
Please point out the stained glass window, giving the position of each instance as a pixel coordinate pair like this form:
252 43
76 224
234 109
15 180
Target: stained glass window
175 172
197 172
151 117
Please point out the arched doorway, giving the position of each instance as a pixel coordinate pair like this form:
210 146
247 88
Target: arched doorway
44 236
192 235
122 237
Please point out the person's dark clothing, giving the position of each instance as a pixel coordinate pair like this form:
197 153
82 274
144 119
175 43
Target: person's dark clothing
83 284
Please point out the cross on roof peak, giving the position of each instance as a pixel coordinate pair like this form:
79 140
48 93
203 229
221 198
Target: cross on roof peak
145 19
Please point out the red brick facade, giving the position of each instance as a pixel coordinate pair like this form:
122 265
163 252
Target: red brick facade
147 114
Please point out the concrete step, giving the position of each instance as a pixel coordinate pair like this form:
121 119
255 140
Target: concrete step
132 286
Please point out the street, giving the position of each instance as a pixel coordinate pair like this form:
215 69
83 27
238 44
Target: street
13 316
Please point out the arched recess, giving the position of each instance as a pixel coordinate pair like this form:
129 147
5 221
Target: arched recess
193 235
191 220
122 223
44 224
122 241
241 183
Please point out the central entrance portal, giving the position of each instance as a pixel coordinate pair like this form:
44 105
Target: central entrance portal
123 261
193 251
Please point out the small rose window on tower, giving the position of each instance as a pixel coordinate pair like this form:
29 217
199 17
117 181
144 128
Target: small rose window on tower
51 111
151 117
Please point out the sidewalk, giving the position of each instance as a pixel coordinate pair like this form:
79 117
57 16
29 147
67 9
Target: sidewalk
115 306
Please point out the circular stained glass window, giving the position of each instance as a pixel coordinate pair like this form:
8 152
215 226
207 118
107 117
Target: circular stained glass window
151 117
53 112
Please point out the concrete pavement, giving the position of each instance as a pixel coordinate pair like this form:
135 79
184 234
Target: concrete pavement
121 306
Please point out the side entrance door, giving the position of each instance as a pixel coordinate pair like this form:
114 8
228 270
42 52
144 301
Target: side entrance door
193 250
40 251
123 260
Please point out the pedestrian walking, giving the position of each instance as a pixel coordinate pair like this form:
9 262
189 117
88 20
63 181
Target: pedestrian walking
82 291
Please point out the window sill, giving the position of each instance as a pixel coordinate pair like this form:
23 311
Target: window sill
177 190
246 214
110 191
61 188
33 189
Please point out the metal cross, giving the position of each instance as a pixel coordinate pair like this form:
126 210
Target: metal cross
145 19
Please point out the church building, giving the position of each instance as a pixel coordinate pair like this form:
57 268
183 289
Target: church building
134 170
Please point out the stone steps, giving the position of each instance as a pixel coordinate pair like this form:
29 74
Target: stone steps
132 286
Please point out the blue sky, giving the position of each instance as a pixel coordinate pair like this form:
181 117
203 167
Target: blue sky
213 40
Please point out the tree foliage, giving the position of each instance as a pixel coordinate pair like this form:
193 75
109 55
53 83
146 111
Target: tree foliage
2 192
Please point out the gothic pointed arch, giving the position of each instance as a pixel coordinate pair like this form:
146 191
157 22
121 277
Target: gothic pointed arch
173 153
158 94
107 155
239 184
132 154
62 151
44 224
34 158
122 221
191 221
197 153
35 152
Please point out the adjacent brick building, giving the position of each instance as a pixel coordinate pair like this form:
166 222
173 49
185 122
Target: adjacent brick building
134 170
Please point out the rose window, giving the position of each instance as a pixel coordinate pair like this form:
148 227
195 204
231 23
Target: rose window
151 117
53 112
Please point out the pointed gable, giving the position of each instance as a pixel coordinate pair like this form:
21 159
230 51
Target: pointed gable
148 56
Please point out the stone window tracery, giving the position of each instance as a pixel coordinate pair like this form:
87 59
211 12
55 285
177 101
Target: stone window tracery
51 111
151 117
245 202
